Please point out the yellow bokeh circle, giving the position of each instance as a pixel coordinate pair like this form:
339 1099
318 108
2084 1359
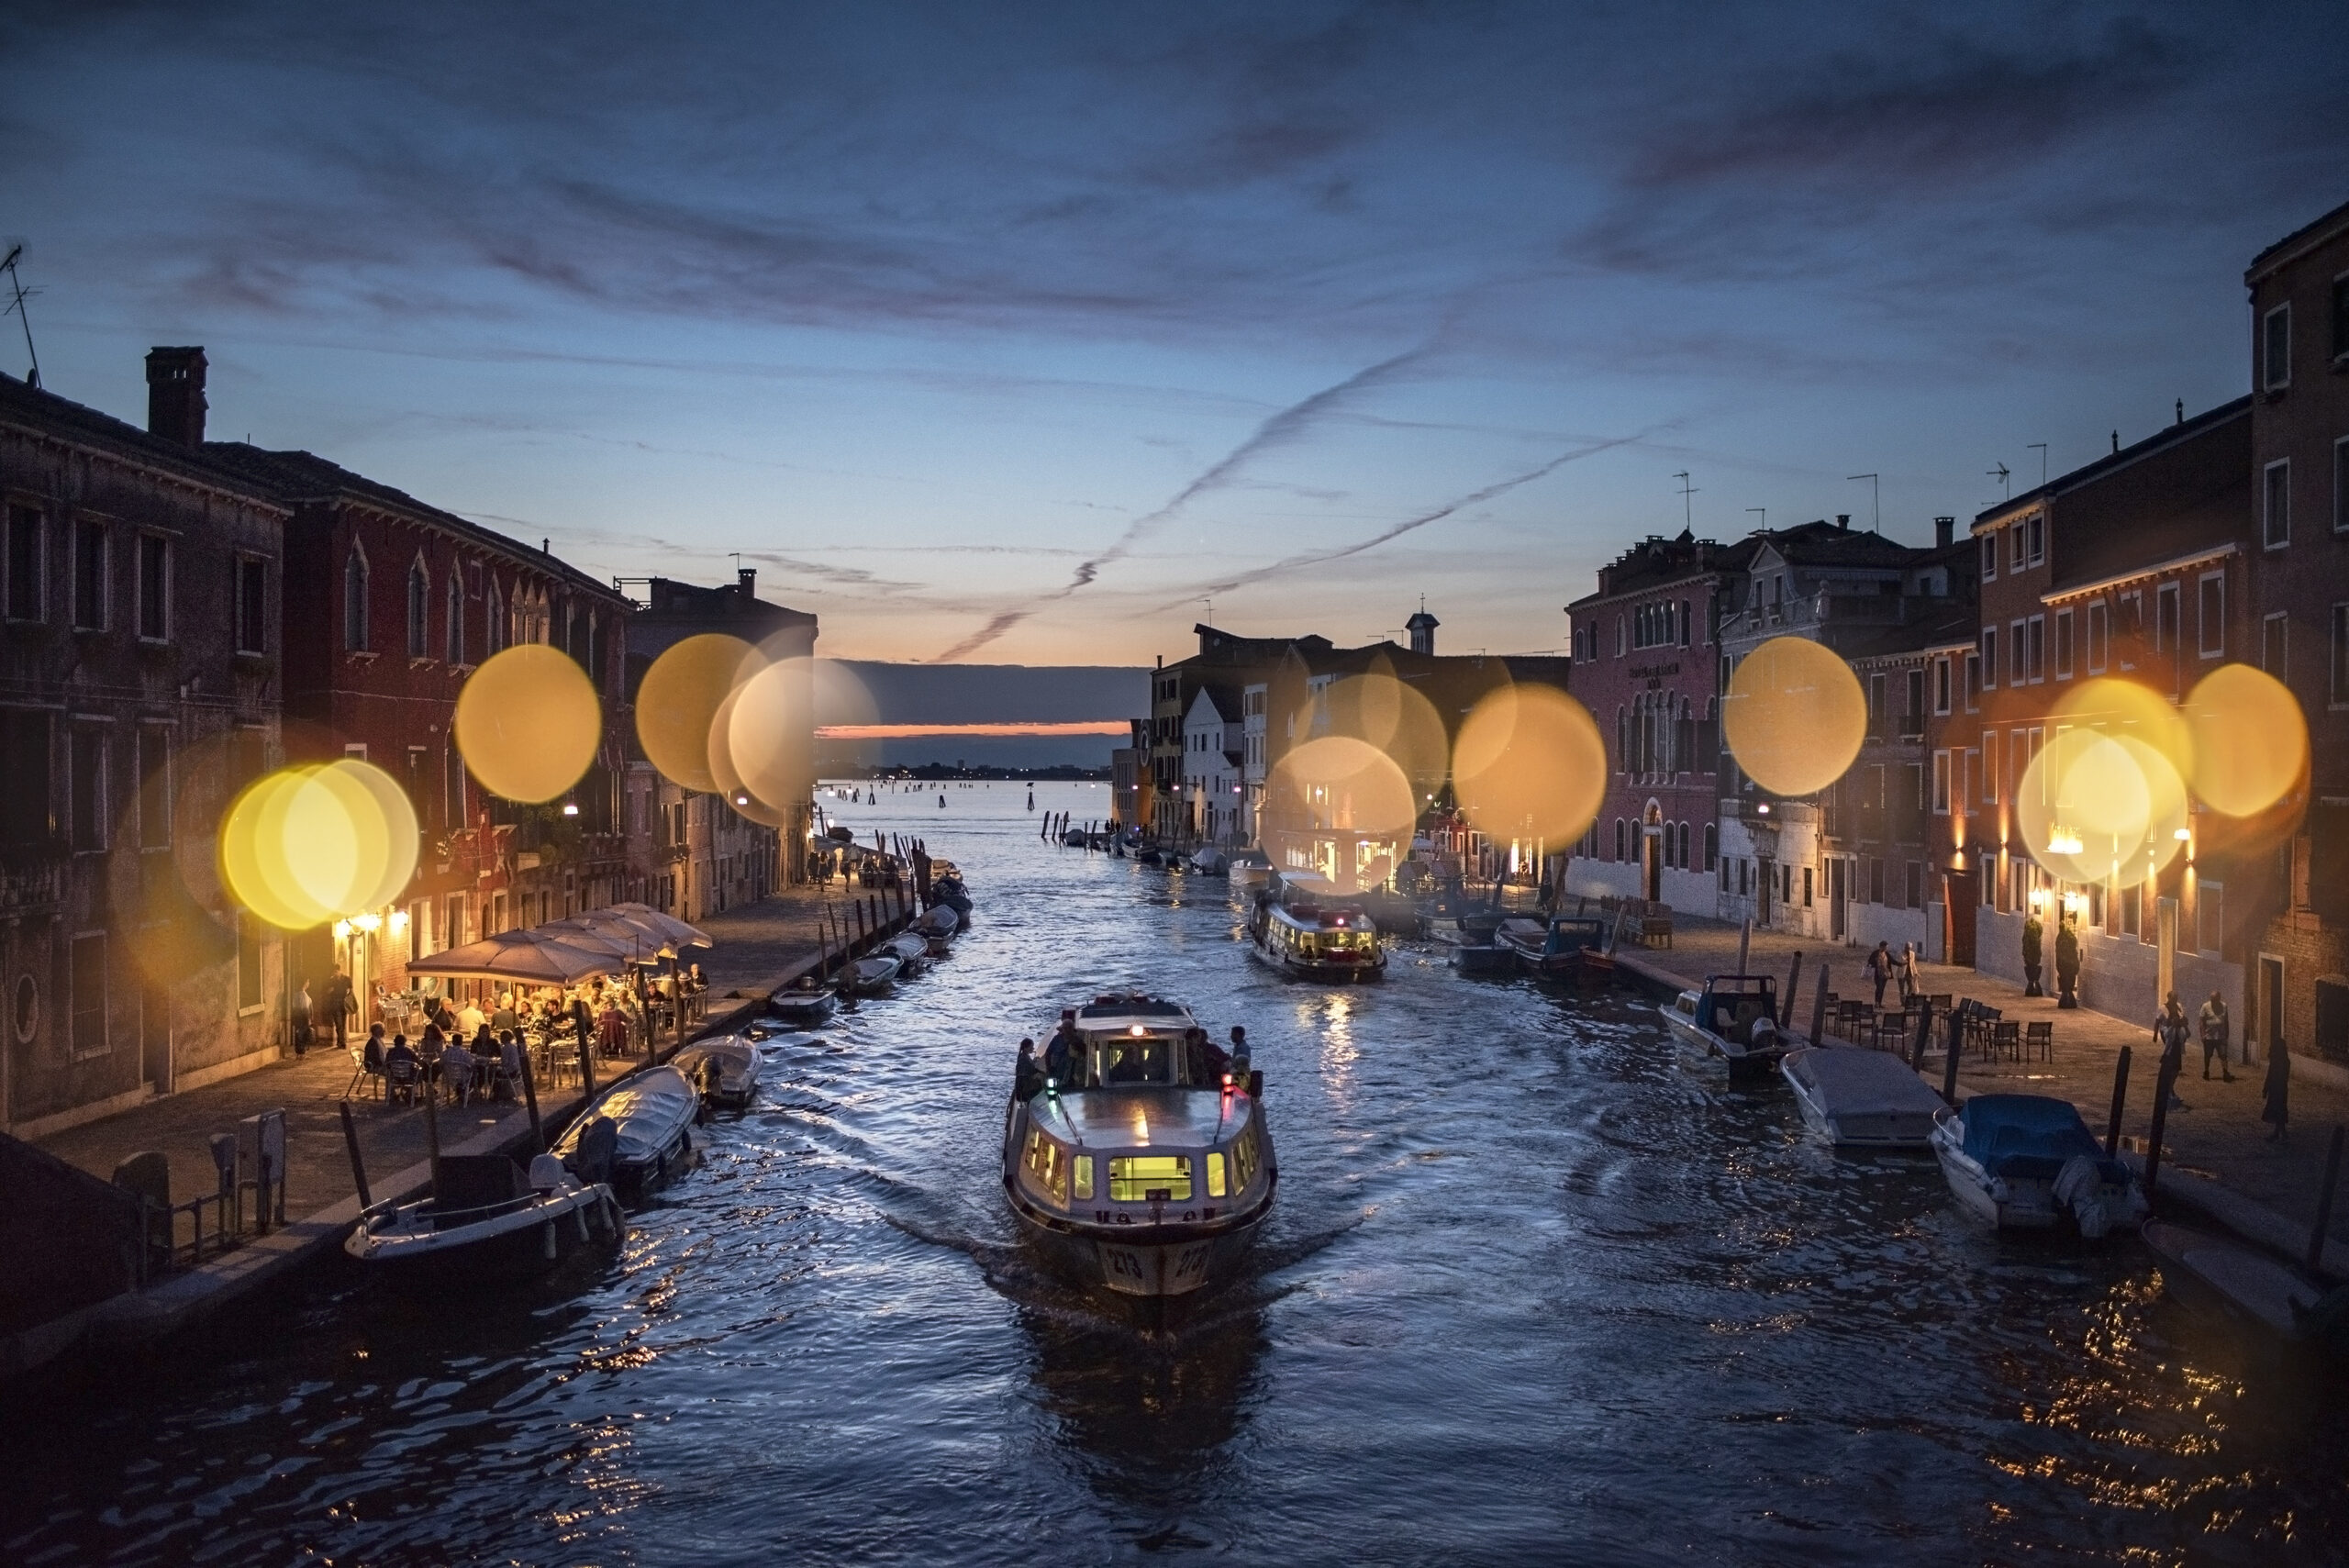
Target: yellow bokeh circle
2250 739
1794 715
677 700
2100 808
1530 765
529 722
306 845
1346 785
1397 720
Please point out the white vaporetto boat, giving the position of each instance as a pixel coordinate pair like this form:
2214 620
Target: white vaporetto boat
1149 1173
1862 1099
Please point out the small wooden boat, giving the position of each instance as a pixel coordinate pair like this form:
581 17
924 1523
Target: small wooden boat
651 1115
869 976
1317 941
1567 947
803 1003
1149 1174
488 1223
1250 869
2280 1306
913 953
1733 1019
2029 1162
726 1067
946 887
1862 1099
938 925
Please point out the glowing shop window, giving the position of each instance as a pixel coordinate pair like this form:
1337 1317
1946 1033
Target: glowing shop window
1215 1175
1135 1177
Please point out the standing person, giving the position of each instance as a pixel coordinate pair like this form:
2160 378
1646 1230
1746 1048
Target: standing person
612 1029
1880 970
2169 1032
1027 1078
2214 1037
338 999
2276 1092
1907 973
1240 1056
301 1021
1065 1050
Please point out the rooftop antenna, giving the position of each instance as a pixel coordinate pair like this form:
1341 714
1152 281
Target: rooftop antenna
1210 605
18 293
1875 501
2002 477
2040 447
1765 526
1687 508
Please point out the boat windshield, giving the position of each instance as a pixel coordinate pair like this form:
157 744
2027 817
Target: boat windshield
1137 1058
1140 1178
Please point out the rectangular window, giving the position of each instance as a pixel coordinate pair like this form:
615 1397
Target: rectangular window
89 1001
2016 561
90 576
154 588
2340 694
248 962
1940 684
25 561
1142 1178
2271 630
2340 317
1806 888
2210 916
1989 656
2213 615
252 605
89 789
24 784
1081 1168
2340 486
2131 896
1941 783
2131 629
2275 508
2096 618
1216 1185
2036 649
2018 665
2276 348
2063 645
154 788
1972 681
2034 530
1990 767
1989 549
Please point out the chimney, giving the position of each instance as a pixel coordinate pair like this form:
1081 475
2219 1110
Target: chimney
175 395
1422 629
1945 532
1842 519
746 581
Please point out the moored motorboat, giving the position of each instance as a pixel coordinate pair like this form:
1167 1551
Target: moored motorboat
913 953
1862 1099
488 1222
946 887
725 1067
651 1115
1316 942
871 975
938 925
1484 959
1732 1019
1208 860
2282 1307
803 1002
1565 947
1250 869
1150 1172
2029 1162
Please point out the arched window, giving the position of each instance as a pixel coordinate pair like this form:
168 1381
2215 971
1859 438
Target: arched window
1684 623
1622 840
1712 845
420 604
456 614
492 629
354 601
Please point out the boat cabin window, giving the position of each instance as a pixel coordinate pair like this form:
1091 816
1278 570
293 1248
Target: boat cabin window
1082 1165
1049 1163
1245 1156
1130 1058
1215 1176
1143 1178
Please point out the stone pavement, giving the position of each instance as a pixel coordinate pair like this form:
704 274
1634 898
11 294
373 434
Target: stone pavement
757 947
2219 1135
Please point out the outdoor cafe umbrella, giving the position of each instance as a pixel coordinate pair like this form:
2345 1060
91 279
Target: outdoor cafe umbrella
519 956
668 926
624 939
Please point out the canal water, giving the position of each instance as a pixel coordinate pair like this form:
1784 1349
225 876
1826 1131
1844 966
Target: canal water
1532 1293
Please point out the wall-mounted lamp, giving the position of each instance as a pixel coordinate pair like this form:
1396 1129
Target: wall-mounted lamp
399 921
342 930
368 923
571 808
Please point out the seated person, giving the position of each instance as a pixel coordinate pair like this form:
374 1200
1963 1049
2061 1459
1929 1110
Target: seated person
401 1054
457 1062
1028 1077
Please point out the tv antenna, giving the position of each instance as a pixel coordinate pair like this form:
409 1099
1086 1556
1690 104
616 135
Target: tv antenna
1688 511
2040 447
2002 475
1765 511
1875 501
1209 603
18 293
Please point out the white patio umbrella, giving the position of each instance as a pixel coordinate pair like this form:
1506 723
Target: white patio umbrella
668 926
528 961
625 938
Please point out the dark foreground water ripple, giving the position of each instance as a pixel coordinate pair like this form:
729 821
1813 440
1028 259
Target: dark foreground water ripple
1532 1293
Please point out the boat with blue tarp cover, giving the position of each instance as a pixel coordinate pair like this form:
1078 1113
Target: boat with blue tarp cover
1565 947
2029 1162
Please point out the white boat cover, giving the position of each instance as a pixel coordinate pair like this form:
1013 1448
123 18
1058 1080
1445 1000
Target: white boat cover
645 1108
1851 1081
939 920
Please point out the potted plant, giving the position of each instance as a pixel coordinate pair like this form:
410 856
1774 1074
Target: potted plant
2067 965
2030 935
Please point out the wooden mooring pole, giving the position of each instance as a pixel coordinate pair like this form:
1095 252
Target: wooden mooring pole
2119 1103
367 1200
1818 1009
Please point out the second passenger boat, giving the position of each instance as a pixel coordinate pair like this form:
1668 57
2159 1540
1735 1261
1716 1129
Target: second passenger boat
1316 942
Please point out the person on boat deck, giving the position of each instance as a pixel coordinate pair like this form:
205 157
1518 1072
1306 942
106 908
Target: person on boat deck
1065 1051
1027 1077
1239 1054
1209 1062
